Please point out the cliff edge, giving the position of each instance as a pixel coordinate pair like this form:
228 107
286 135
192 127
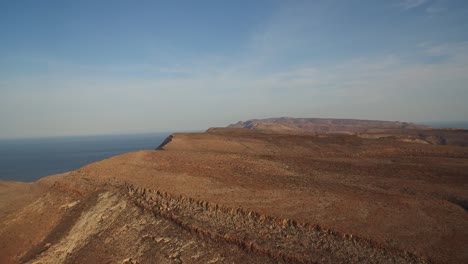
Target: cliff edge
237 195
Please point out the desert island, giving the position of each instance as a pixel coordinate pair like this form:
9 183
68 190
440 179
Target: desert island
279 190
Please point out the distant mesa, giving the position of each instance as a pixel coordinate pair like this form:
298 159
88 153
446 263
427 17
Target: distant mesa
396 130
279 190
323 125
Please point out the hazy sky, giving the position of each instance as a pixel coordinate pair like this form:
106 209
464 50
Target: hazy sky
95 67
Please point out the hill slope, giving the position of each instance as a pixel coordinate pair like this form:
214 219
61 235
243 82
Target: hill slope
323 125
402 131
242 196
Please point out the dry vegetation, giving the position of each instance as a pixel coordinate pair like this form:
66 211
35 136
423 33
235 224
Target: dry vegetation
244 196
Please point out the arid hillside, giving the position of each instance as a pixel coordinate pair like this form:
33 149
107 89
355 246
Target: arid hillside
323 125
236 195
402 131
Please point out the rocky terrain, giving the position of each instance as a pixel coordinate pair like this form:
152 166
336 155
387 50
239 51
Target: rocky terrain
323 125
237 195
402 131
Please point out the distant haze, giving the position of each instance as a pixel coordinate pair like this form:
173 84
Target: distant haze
447 124
119 67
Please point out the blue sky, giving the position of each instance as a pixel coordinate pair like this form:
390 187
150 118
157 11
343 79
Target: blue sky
97 67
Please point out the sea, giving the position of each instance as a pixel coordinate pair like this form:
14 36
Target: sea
28 160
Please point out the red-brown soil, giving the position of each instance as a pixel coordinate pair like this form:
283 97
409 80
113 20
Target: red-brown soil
403 131
244 196
324 125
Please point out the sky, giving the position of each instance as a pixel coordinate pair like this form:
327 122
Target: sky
119 67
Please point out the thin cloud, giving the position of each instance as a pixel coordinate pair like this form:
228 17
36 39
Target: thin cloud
389 85
435 10
410 4
213 89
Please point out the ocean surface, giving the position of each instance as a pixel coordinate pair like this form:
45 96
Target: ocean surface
28 160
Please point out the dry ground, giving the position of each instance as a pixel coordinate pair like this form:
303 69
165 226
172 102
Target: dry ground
395 196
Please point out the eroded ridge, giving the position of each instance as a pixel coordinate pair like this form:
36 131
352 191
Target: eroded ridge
284 240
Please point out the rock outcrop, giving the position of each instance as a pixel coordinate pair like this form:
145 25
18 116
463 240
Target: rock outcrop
323 125
402 131
238 195
280 239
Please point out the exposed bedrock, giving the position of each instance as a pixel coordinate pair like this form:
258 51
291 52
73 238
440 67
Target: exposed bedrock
280 239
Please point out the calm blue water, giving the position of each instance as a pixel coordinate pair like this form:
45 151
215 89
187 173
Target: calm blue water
30 159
